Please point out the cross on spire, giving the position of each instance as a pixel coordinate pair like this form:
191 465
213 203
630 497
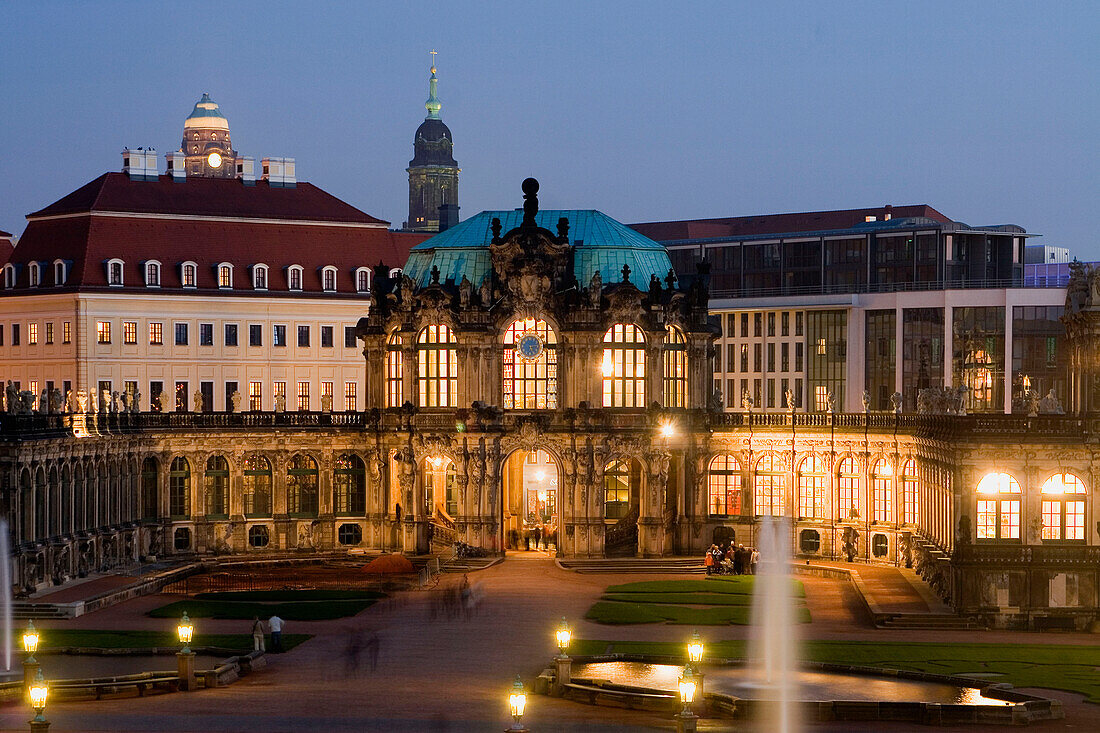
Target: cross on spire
433 53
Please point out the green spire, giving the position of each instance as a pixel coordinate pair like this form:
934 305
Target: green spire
433 106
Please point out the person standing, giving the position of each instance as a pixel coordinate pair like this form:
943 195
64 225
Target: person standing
257 634
755 559
276 625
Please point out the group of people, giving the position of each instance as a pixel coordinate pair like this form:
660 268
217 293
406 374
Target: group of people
275 625
457 601
731 560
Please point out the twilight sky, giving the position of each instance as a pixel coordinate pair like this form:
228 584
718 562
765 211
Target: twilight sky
645 110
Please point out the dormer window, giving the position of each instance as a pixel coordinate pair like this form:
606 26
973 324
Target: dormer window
294 277
9 276
225 275
152 274
259 277
60 272
188 273
114 273
328 278
362 280
35 274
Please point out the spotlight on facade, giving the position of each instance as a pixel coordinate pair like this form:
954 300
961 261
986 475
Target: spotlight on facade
30 641
436 461
517 701
564 635
185 630
38 692
695 648
667 430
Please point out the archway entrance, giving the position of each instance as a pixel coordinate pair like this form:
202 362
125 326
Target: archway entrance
531 500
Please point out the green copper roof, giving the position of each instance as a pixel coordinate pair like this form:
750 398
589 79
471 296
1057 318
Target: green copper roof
600 243
205 107
433 104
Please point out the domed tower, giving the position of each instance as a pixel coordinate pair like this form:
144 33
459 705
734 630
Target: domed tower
206 145
433 172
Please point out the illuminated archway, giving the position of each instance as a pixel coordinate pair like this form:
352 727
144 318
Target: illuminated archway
1064 508
998 509
531 499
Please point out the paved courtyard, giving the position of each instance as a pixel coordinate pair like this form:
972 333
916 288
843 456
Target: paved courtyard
453 675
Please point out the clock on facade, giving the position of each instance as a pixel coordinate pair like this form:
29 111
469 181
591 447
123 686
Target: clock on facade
529 346
215 160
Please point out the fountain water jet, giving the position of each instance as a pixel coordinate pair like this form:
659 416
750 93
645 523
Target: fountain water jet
772 648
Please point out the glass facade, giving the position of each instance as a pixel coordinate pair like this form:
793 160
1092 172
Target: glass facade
827 347
978 361
1039 361
880 357
922 339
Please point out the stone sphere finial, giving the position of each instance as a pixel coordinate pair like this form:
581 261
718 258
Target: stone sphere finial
530 186
530 201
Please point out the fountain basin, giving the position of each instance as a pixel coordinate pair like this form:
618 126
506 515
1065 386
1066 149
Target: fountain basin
827 692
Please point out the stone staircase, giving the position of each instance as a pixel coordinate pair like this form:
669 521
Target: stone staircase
945 621
22 610
666 565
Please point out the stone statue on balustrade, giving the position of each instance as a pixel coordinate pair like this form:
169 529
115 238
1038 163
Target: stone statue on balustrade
164 401
196 400
135 403
1050 405
235 400
280 403
895 402
866 400
326 403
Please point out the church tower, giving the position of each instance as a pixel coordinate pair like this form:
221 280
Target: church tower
433 172
206 146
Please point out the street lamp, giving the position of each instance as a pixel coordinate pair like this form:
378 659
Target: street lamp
185 630
695 648
38 692
564 635
517 701
686 720
185 658
31 637
563 663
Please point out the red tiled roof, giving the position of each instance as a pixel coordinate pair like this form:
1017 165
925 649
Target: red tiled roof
805 221
207 197
226 235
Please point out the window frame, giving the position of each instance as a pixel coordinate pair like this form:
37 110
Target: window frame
725 480
155 267
111 264
189 275
624 348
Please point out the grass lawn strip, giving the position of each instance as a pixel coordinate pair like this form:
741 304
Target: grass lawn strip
1058 667
739 584
290 595
709 599
288 611
96 639
613 612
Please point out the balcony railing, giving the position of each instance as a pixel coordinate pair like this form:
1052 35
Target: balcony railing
1007 554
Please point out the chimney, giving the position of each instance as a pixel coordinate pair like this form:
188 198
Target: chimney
140 164
448 216
279 172
176 166
246 170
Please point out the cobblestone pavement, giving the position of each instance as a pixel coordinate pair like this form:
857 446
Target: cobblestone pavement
454 674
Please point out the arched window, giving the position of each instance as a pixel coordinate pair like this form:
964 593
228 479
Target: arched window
66 499
328 279
294 277
301 486
530 366
149 490
189 274
60 272
9 276
179 488
811 488
675 368
362 280
998 507
41 531
152 274
349 485
78 498
225 275
439 485
724 486
395 368
882 485
216 484
848 490
114 273
256 491
259 277
621 480
1064 508
35 272
909 492
437 367
623 366
768 486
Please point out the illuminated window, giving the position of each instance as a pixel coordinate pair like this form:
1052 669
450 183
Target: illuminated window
66 332
909 492
350 402
439 478
280 394
1064 508
768 486
32 334
811 488
216 484
882 480
619 478
624 366
395 366
675 368
998 510
437 367
129 332
189 273
349 485
156 334
303 396
821 398
326 391
724 486
103 332
225 275
530 366
179 487
255 396
848 489
301 486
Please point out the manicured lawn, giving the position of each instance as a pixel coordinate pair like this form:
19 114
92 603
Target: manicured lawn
94 639
287 610
714 601
1059 667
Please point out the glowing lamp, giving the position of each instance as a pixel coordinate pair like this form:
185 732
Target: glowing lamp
517 701
30 640
687 686
215 160
185 630
563 635
540 475
695 648
38 692
436 461
667 430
